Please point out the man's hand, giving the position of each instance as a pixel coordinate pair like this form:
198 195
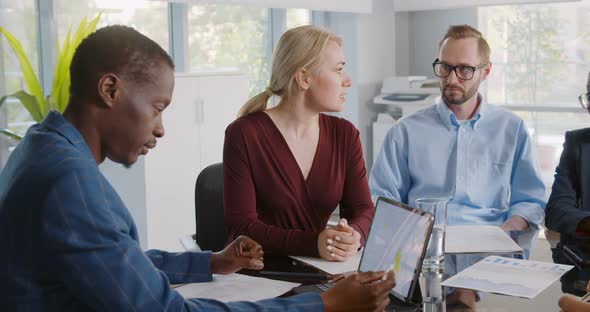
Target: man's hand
515 223
569 303
339 243
242 253
360 292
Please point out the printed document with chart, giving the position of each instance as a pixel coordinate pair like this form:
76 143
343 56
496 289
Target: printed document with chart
508 276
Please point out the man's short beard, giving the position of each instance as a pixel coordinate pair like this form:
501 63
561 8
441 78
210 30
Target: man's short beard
467 94
453 101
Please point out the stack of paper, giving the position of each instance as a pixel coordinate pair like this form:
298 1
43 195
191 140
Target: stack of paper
513 277
333 267
236 287
478 239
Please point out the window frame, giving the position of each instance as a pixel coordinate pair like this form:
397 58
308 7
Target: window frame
535 108
537 125
178 45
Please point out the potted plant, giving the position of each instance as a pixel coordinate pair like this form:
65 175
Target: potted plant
33 99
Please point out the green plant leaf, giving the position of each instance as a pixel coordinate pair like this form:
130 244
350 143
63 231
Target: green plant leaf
50 103
30 103
35 102
29 77
60 93
69 50
62 66
63 94
10 134
92 25
3 99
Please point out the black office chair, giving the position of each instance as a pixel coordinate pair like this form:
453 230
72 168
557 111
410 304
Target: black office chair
210 234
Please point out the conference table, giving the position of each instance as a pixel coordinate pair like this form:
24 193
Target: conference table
539 245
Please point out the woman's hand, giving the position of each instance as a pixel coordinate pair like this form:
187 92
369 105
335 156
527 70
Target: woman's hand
339 243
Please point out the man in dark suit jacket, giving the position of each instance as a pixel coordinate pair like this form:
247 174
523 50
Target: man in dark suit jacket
568 208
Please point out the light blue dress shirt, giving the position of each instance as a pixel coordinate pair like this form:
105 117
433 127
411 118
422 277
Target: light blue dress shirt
485 166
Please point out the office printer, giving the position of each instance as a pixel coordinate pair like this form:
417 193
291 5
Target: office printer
405 94
408 91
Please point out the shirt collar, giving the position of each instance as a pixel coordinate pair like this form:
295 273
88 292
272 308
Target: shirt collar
450 120
56 122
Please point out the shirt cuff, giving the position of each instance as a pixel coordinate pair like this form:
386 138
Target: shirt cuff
199 268
206 270
532 215
313 301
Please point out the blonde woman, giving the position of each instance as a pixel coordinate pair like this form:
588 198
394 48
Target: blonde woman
287 168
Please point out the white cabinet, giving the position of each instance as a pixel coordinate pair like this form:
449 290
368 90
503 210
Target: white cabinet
159 191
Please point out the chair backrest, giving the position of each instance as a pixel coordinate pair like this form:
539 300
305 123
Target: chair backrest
210 234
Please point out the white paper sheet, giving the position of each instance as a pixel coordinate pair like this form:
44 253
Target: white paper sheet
478 239
236 287
513 277
333 267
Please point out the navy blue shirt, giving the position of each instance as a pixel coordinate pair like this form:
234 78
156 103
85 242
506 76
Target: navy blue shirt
569 202
69 243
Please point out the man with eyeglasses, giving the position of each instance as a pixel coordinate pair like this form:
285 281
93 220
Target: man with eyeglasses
478 155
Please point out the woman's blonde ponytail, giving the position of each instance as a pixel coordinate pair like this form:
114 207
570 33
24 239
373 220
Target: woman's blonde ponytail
299 48
256 104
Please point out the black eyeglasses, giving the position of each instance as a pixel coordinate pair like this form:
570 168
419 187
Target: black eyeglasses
584 99
463 72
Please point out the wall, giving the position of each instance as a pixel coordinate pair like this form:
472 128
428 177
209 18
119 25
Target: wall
376 53
402 44
425 29
369 47
344 25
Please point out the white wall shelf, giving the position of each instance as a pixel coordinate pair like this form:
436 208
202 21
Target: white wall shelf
426 5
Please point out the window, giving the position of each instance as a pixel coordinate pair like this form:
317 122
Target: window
540 60
547 130
231 36
228 36
219 36
20 19
148 17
